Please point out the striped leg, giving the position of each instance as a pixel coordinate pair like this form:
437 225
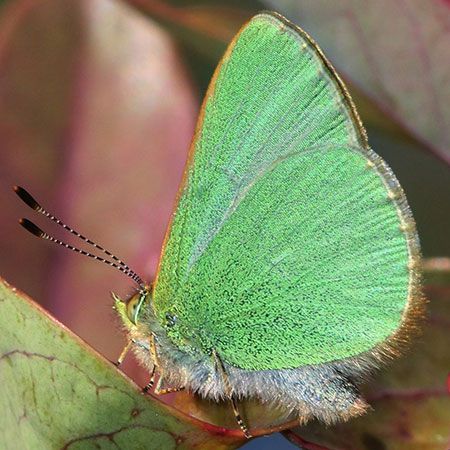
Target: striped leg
150 384
221 368
155 364
159 390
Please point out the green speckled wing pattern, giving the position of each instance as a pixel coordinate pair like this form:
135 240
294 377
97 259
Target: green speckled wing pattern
285 249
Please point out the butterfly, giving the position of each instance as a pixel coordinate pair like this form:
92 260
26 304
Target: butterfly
290 268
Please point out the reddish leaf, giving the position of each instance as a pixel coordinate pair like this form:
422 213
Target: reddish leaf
207 28
38 54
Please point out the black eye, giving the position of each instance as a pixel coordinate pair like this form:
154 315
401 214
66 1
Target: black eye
171 319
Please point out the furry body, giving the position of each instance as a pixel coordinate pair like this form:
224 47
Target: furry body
327 392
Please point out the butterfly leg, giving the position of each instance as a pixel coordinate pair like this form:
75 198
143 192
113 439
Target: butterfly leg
221 369
123 353
154 354
150 384
169 390
159 390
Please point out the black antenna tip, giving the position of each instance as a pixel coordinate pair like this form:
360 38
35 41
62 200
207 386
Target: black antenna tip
27 198
32 228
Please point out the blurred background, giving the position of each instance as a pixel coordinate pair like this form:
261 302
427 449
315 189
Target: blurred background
98 103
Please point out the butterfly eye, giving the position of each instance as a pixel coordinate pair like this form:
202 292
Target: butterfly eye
131 309
134 307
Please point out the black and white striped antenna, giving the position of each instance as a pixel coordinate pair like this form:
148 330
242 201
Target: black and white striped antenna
28 199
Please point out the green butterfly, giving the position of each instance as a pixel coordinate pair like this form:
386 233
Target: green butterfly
290 268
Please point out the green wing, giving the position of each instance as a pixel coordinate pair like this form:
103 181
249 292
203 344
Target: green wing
286 248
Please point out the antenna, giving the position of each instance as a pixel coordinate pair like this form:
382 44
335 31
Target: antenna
33 204
27 198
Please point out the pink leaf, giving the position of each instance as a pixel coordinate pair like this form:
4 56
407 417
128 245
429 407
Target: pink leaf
97 114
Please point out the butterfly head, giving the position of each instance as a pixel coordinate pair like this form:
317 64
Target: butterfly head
135 305
130 310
